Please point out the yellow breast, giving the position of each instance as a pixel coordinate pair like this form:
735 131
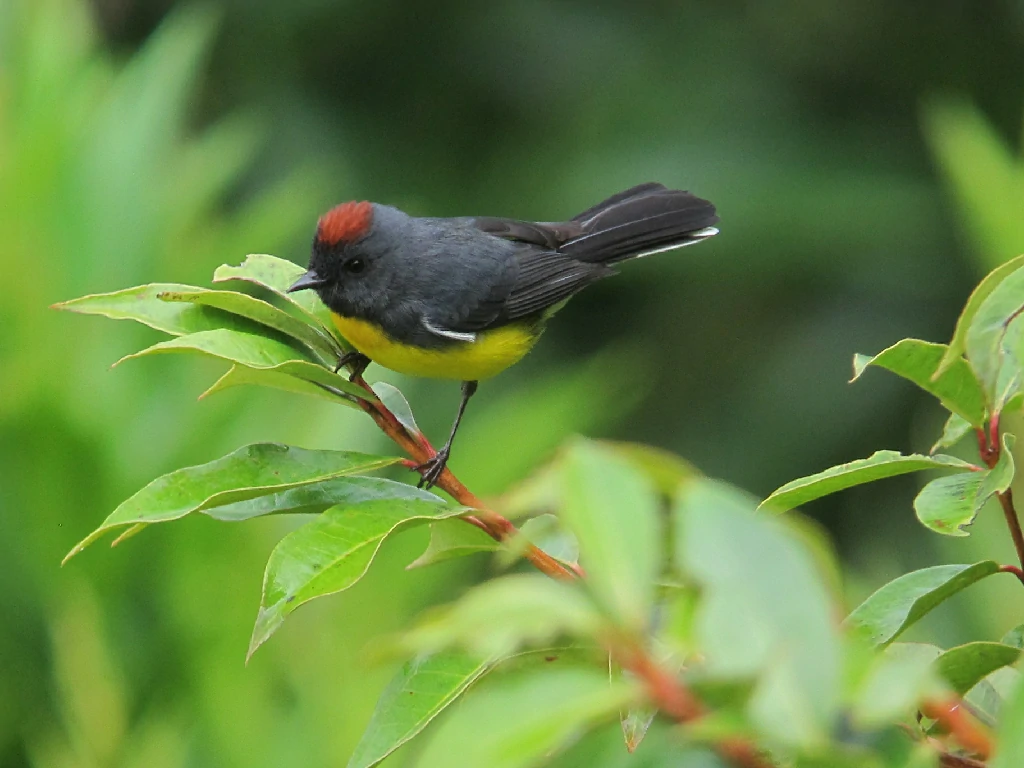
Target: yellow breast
491 353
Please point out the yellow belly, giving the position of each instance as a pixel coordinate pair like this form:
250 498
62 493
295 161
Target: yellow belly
491 353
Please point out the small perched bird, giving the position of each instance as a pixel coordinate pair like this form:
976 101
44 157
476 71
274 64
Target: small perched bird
465 298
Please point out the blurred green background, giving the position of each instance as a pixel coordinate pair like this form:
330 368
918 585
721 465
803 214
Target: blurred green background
866 163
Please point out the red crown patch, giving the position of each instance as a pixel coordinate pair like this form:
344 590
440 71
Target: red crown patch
345 222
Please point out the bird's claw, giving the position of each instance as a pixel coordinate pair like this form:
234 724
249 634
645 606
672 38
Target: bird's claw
430 470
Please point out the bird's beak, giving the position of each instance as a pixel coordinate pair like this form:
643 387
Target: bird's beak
309 280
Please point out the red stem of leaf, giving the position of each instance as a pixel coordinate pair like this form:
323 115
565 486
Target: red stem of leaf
990 446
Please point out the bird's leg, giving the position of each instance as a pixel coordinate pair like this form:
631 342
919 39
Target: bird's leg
357 360
432 468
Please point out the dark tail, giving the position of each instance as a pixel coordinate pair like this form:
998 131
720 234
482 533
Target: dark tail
645 219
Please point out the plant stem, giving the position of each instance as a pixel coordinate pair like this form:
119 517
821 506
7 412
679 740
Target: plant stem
990 446
489 521
1013 522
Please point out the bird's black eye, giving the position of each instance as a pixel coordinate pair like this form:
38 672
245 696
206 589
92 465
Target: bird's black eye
355 266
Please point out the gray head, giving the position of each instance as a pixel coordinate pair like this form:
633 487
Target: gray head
350 263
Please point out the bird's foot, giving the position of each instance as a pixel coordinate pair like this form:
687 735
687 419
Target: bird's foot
357 360
430 470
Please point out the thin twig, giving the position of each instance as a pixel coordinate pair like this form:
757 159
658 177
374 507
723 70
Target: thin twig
1013 523
990 447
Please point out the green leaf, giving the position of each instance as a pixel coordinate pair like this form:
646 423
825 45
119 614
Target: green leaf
917 361
879 465
998 369
525 719
1011 731
142 305
316 497
420 691
261 312
242 375
257 352
958 344
332 553
905 600
965 666
450 539
395 402
498 616
613 511
251 471
954 430
764 610
949 504
277 275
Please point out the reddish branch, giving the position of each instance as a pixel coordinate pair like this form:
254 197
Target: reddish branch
990 446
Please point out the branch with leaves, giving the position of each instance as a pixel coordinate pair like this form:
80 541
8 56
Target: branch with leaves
668 617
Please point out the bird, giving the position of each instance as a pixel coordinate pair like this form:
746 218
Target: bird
465 298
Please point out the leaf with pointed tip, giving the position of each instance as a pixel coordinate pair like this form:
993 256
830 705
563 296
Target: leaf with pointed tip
420 691
450 539
332 553
905 600
251 471
956 387
242 375
965 666
879 465
525 719
316 497
257 352
954 430
958 345
948 504
262 312
142 305
277 275
987 345
612 508
395 402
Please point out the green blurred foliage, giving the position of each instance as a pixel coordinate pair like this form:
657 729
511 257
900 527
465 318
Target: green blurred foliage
169 138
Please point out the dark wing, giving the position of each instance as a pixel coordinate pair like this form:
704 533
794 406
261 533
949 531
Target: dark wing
541 279
545 279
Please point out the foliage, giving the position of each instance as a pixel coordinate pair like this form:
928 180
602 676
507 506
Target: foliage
697 605
164 140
